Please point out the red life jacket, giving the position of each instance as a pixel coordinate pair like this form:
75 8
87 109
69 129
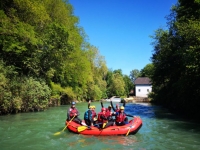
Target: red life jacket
72 112
99 117
108 112
94 114
120 117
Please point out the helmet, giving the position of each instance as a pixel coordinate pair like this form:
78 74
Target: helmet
122 107
90 107
73 103
93 106
110 106
103 109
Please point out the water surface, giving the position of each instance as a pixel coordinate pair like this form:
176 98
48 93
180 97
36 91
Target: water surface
161 130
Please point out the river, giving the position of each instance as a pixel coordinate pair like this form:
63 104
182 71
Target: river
161 130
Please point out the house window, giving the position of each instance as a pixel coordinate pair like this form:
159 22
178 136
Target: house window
147 90
138 90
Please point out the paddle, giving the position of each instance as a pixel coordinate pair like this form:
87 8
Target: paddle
104 124
82 128
130 128
57 133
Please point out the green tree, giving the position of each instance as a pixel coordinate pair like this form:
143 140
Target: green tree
147 71
117 84
134 74
175 60
129 86
97 86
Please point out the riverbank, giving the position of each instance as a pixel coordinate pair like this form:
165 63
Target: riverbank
136 99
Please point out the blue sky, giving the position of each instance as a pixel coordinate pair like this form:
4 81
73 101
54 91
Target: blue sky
120 29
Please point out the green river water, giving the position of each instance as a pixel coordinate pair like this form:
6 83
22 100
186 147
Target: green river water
161 130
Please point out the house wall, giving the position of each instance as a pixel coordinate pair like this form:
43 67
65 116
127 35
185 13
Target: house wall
141 90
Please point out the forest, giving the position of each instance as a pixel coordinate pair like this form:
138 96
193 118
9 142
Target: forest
176 60
46 59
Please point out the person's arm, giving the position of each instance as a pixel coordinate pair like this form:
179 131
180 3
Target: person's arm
69 113
101 104
89 104
68 117
112 106
95 114
77 112
103 117
128 115
124 103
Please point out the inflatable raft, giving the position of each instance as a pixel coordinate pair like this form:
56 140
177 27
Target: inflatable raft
131 128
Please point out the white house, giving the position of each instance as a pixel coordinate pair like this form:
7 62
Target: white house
142 86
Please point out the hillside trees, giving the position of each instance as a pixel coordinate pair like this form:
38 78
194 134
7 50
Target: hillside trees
97 84
42 40
43 44
115 83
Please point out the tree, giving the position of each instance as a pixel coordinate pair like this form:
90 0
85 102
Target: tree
176 60
117 84
129 86
147 71
134 74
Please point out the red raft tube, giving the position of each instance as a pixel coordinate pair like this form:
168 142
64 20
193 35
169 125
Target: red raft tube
131 128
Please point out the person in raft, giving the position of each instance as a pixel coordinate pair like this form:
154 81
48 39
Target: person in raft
103 119
73 111
109 112
94 114
121 117
117 108
88 116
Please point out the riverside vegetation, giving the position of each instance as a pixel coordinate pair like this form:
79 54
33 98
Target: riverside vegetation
46 59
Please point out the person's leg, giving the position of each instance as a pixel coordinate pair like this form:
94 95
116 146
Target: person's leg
78 120
126 120
110 123
87 122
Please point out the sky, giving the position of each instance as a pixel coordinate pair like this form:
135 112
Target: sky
121 29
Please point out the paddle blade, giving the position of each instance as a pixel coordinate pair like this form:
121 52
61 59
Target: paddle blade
57 133
128 131
104 124
82 128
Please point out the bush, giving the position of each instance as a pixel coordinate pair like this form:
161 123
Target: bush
35 94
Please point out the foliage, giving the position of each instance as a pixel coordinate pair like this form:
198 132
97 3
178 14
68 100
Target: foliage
44 53
129 86
176 60
35 94
134 74
21 93
117 84
147 71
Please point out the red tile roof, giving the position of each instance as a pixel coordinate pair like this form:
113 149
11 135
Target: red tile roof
142 80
